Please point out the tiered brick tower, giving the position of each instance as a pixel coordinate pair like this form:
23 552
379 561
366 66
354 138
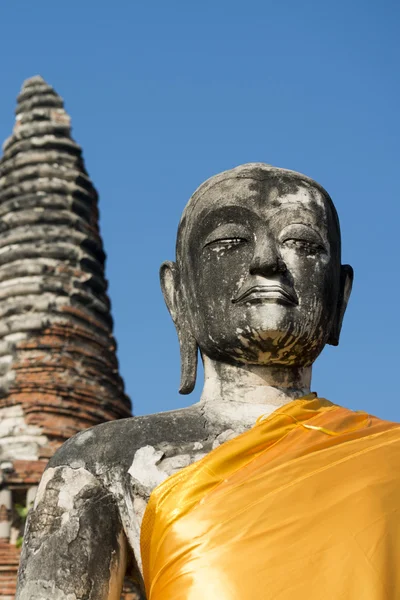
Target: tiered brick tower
58 368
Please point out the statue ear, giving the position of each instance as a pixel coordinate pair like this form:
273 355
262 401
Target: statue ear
172 291
346 283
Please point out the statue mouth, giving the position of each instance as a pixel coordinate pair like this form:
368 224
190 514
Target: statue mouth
267 293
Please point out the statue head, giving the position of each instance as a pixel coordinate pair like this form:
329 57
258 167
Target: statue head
258 277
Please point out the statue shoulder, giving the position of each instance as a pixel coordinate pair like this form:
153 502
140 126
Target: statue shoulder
114 444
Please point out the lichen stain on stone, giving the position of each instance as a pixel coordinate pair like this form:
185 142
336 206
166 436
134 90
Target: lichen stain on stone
144 467
83 437
74 482
36 590
46 477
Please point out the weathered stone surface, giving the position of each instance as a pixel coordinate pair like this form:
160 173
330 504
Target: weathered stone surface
58 366
259 288
154 447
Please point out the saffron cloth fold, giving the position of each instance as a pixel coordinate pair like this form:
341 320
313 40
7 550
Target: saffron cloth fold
303 506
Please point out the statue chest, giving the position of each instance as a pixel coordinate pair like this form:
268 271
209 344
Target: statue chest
151 465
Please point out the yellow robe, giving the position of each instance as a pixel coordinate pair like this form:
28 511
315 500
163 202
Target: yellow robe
303 506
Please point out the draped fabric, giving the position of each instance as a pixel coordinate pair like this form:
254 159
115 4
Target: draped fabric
303 506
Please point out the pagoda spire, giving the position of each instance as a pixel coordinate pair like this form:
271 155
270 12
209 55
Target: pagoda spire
58 366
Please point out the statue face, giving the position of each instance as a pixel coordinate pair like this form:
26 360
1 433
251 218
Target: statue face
261 271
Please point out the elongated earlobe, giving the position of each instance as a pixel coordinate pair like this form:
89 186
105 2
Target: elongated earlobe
346 283
172 292
188 348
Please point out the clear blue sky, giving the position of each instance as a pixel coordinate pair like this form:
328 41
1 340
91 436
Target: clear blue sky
165 94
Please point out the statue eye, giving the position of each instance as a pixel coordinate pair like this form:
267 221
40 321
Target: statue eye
311 247
303 239
224 243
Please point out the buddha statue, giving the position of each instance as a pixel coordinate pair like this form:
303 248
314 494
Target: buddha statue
262 489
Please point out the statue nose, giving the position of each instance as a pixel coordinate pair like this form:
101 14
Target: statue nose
267 260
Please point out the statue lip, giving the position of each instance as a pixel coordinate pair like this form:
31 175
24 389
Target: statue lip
268 293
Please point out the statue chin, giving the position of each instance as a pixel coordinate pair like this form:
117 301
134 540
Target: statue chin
267 347
270 337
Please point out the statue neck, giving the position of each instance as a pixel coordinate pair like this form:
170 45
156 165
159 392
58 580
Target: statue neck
239 394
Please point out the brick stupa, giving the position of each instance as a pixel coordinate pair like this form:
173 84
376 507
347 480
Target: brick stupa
58 367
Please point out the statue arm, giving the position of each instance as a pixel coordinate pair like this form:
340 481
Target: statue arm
74 544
